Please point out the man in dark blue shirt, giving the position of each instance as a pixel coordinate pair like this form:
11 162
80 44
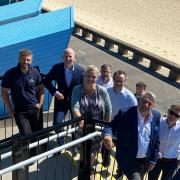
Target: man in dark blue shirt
27 93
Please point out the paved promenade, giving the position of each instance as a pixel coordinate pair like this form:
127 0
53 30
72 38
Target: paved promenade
150 25
89 54
166 93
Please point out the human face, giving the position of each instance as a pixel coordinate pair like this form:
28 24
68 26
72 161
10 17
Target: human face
90 78
69 58
25 61
145 104
173 116
106 73
119 81
139 90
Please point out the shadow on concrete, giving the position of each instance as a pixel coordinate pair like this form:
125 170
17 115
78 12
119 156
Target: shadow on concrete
126 60
55 168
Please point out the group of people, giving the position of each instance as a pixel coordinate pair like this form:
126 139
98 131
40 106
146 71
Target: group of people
145 141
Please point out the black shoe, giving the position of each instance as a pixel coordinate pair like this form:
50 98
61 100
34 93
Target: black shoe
119 176
106 163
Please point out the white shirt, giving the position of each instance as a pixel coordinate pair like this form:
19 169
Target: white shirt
68 75
169 139
122 100
107 85
144 132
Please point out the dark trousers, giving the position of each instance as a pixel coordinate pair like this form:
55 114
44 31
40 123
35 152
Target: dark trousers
105 155
167 166
139 170
177 175
59 117
27 121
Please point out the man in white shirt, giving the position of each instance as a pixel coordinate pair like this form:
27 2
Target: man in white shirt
140 89
169 145
105 78
137 144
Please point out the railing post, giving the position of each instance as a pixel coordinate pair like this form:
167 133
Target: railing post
89 127
19 153
96 39
137 58
122 50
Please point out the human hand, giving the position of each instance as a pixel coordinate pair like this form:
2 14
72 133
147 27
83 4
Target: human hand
59 95
81 124
38 106
107 140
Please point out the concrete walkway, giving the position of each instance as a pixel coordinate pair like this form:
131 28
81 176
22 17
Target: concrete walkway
87 54
150 25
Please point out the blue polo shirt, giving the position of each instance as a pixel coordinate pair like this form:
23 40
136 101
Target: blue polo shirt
23 87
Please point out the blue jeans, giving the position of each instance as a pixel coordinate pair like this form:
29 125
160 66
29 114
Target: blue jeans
58 119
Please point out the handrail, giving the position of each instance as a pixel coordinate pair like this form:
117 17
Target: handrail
48 153
45 140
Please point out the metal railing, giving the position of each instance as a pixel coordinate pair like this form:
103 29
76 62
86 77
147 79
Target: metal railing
20 148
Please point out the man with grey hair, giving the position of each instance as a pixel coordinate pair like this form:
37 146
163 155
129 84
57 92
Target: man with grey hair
27 94
105 78
66 74
137 131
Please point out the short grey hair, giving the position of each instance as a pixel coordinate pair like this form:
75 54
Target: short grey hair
92 68
25 52
150 95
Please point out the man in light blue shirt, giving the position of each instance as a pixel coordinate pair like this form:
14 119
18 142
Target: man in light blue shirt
169 145
121 98
66 74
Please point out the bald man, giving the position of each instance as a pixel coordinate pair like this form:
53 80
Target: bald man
66 74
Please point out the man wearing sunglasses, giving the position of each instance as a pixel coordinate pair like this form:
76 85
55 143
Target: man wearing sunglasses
137 131
169 145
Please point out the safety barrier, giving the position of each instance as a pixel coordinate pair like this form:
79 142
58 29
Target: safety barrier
50 164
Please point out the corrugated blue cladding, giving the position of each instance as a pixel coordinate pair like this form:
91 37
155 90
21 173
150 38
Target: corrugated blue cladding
35 27
19 10
47 35
47 50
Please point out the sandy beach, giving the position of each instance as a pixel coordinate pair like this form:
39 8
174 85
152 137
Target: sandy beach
151 25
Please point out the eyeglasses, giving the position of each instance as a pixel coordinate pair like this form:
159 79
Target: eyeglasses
118 81
174 114
145 101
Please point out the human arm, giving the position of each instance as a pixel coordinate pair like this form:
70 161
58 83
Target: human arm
107 106
75 106
53 76
7 101
40 96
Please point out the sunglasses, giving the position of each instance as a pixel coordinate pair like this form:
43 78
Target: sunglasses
174 114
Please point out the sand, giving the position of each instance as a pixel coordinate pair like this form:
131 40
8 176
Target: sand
151 25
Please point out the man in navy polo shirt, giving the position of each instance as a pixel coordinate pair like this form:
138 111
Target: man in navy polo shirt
27 93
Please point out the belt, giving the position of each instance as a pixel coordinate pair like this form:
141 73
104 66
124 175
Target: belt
141 159
168 159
